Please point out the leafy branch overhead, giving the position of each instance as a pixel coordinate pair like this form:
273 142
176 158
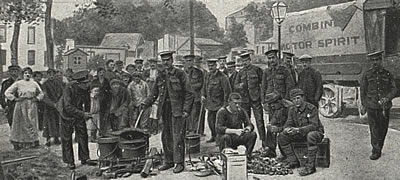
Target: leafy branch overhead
18 12
259 14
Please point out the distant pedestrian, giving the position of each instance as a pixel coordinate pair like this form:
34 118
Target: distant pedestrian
377 89
26 93
310 81
52 90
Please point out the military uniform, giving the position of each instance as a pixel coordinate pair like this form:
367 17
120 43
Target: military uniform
73 117
287 58
310 81
376 85
248 84
196 78
176 98
202 114
216 91
277 79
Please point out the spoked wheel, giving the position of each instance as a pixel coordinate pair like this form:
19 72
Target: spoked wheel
330 103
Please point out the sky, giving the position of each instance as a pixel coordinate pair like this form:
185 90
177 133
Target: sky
220 8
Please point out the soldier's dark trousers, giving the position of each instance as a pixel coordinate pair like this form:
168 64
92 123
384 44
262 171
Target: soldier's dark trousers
67 127
194 119
212 118
247 139
202 119
378 126
312 138
258 115
173 135
271 140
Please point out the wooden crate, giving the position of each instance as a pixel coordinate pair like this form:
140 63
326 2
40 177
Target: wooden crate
234 166
323 155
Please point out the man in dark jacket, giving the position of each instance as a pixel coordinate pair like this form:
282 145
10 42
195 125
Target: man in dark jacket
222 64
287 61
232 73
248 84
234 126
377 89
198 64
196 78
176 99
73 117
302 124
215 94
310 81
14 72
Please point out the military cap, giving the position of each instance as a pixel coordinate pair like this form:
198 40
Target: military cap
222 57
271 52
152 60
189 57
235 97
296 92
166 54
245 55
288 54
272 97
231 64
113 81
81 76
375 55
14 67
305 57
212 60
119 62
139 61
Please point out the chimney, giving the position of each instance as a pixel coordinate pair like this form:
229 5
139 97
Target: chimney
69 44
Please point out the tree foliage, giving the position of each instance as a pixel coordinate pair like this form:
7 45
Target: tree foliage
235 36
89 25
259 14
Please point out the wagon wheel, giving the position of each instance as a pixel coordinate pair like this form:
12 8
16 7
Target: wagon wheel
329 105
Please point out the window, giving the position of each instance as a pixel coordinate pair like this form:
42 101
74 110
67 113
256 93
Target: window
31 35
31 57
3 34
3 56
77 60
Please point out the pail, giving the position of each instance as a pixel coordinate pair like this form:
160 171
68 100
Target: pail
108 147
133 148
193 143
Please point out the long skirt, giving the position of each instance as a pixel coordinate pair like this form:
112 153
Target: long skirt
24 131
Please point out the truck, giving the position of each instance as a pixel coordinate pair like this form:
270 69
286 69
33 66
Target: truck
338 37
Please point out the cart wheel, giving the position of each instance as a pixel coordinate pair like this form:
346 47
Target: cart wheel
330 103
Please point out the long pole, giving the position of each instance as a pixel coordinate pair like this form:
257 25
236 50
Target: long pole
279 41
191 27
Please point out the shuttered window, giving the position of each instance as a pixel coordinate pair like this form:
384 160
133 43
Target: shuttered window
31 57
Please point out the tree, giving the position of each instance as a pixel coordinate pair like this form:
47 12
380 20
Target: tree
234 37
49 37
259 14
17 13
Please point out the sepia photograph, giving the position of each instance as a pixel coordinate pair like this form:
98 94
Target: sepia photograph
199 89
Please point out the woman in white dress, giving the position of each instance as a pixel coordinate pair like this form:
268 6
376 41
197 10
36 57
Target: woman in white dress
26 93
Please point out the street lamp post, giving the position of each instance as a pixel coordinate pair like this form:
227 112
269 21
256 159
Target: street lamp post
279 14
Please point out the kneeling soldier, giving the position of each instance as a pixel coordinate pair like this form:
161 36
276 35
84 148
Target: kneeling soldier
234 126
303 124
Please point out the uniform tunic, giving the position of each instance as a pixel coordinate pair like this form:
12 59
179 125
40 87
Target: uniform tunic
377 83
310 81
277 79
196 78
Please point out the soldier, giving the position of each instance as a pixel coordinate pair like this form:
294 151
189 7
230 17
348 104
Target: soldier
302 124
196 79
232 73
8 106
248 84
73 117
176 99
276 77
234 126
278 108
179 65
310 81
202 118
377 89
287 62
215 94
222 64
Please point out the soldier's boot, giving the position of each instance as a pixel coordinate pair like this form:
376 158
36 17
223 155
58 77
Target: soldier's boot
310 165
291 159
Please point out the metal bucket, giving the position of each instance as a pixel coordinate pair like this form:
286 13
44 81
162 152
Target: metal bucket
133 148
193 143
108 147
